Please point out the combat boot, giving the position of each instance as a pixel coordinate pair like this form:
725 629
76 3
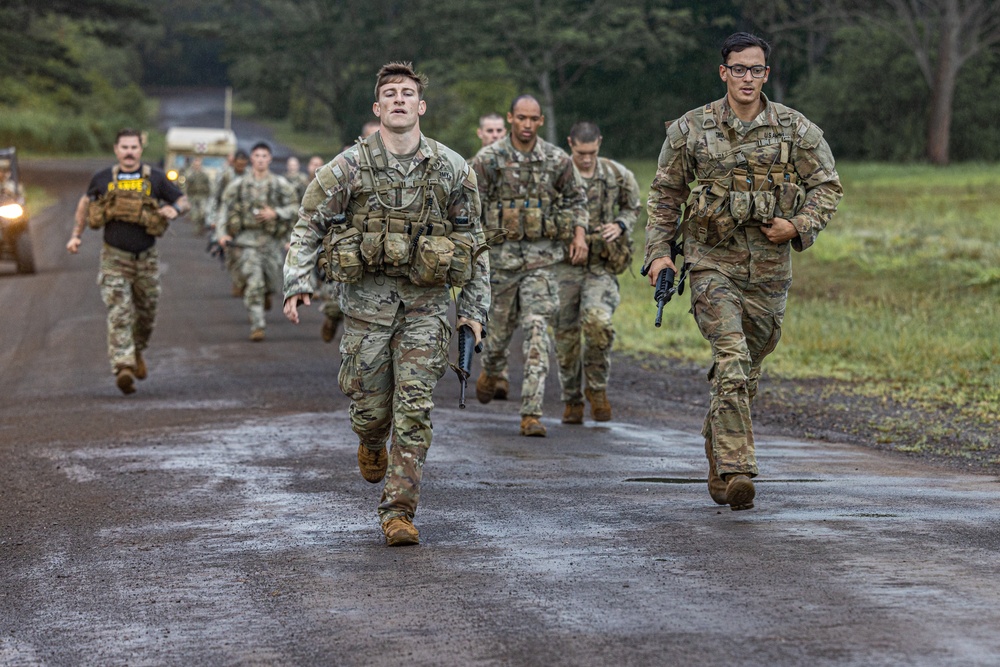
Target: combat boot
257 335
503 388
486 386
600 409
573 414
329 329
140 367
739 492
267 301
530 426
400 532
716 487
125 379
372 464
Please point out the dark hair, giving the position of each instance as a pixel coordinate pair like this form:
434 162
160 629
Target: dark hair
739 41
396 71
128 132
241 155
524 97
262 144
584 132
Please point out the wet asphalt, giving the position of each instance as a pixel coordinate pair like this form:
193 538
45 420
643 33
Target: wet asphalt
217 517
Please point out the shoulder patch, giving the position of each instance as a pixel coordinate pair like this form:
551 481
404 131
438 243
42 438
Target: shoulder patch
808 135
330 175
677 132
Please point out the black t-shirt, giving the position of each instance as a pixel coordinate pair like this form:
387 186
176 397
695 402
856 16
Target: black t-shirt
128 236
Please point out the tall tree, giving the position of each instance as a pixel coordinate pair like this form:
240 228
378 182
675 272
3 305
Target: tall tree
551 44
943 35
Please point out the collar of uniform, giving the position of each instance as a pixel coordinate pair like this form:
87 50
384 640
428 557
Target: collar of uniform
728 117
536 154
424 151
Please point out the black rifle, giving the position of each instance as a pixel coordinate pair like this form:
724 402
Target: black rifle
665 284
466 340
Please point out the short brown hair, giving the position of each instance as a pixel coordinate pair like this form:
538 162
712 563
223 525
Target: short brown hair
397 71
128 132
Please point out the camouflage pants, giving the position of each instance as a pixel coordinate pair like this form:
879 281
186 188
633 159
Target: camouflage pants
588 297
130 288
389 373
198 212
743 324
260 267
531 299
232 259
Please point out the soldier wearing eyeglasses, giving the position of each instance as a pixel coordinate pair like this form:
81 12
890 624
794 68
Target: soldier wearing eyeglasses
755 179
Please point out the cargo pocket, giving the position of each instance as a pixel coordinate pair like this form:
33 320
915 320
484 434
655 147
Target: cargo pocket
512 223
461 267
791 196
397 253
342 255
373 249
739 206
763 206
348 377
532 223
431 260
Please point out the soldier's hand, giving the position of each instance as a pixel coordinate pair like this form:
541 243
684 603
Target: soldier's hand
610 231
779 230
74 244
578 246
658 265
169 212
477 327
224 240
266 214
291 308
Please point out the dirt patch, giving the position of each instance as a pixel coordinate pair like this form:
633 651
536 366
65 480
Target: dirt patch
821 409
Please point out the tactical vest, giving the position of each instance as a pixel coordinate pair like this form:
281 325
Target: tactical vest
525 206
616 256
748 182
412 239
241 216
128 201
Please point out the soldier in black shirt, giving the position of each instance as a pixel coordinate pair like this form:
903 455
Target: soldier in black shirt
133 203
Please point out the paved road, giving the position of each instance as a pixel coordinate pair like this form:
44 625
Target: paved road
216 517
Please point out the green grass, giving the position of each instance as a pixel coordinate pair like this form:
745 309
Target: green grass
899 295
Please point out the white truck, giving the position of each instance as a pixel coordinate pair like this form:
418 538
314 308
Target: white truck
183 144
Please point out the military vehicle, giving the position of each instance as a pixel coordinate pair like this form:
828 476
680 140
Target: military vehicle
15 237
183 144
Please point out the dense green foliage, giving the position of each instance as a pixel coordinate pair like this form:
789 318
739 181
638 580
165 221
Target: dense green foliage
71 72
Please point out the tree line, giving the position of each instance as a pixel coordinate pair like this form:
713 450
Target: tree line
893 80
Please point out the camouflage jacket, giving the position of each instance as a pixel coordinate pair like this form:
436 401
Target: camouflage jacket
246 194
197 184
545 175
781 152
226 176
337 189
612 196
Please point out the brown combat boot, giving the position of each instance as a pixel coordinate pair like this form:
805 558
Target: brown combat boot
400 532
532 427
503 388
125 379
141 372
716 487
600 409
739 492
486 387
573 414
257 335
372 464
329 329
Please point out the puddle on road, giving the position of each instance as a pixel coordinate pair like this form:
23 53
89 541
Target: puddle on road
702 480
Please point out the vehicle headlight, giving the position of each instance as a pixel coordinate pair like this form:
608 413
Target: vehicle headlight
172 174
11 211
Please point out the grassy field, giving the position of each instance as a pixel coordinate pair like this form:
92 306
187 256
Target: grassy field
898 297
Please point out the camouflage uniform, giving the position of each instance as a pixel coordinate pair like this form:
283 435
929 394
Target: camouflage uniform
395 343
588 294
778 165
198 188
129 269
218 224
261 244
300 182
513 185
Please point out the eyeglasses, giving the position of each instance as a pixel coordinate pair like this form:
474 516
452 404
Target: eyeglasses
740 71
